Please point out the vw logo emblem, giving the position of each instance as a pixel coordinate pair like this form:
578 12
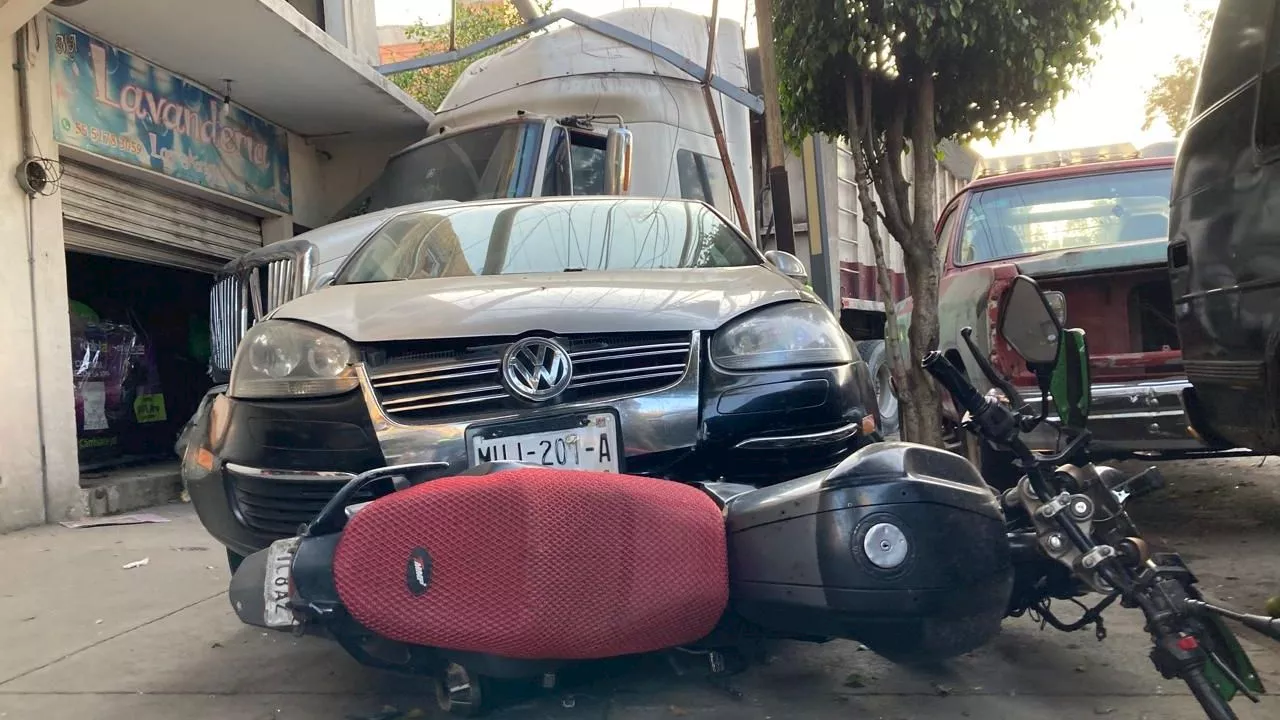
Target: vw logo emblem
536 368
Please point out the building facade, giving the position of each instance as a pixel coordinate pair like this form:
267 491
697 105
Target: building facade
145 143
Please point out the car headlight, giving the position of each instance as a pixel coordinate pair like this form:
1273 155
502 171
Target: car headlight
283 359
787 335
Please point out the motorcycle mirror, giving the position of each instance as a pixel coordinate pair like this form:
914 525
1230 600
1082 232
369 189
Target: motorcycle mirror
1070 383
1031 328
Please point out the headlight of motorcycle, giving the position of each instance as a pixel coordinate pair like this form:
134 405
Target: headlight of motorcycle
279 359
788 335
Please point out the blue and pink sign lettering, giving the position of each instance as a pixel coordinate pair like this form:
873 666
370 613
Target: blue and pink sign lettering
112 103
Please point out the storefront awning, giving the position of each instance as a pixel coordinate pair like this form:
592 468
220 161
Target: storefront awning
281 66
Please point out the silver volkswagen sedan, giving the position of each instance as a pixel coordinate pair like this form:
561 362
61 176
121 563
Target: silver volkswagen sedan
640 336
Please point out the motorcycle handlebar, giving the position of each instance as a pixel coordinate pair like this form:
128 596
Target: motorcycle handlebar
950 377
1214 706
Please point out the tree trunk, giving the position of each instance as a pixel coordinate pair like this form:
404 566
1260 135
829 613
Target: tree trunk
912 228
922 418
899 363
870 217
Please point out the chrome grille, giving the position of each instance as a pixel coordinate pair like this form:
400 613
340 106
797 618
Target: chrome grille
239 301
424 382
228 319
276 285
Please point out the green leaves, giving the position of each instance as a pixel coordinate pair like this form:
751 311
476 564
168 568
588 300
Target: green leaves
473 23
1016 55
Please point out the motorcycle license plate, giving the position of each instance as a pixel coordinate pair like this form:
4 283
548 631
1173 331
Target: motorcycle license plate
277 612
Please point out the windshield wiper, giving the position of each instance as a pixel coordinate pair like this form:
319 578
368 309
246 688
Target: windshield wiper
574 269
375 280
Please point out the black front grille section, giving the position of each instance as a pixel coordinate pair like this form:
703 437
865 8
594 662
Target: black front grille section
432 381
277 507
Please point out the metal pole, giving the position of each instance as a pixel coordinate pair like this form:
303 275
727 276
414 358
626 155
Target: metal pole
721 144
779 189
830 270
824 284
528 11
453 25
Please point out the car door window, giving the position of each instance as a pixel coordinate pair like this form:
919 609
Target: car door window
1234 53
1266 120
948 230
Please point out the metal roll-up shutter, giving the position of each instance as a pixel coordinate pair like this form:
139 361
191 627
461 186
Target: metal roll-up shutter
109 214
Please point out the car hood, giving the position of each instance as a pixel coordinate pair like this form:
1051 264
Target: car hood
567 303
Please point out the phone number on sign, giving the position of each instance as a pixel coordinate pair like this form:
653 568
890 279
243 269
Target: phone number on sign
107 138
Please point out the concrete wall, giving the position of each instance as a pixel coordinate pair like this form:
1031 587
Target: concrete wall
349 164
307 174
362 30
39 475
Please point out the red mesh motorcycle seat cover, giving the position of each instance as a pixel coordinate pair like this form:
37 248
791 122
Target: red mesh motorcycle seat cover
537 564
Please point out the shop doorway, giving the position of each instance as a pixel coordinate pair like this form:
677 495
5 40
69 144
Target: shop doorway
140 350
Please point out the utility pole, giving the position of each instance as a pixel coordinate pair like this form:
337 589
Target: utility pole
717 129
779 189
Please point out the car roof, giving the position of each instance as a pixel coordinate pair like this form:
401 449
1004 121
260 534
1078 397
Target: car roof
572 200
1065 171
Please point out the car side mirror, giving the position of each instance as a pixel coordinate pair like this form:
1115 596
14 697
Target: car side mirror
1031 328
325 280
788 265
617 168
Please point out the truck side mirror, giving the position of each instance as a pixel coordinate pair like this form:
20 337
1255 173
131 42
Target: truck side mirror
617 162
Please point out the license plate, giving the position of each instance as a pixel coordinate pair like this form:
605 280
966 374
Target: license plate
588 442
277 612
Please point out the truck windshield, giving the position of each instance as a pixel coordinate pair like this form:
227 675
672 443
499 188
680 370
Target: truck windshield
496 161
548 237
1076 212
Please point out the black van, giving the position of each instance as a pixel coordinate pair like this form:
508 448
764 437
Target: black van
1224 232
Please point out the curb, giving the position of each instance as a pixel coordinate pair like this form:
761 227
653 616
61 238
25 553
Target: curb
133 490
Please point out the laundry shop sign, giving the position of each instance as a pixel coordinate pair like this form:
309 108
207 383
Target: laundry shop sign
112 103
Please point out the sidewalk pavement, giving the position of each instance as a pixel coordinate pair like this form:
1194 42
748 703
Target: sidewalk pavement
80 637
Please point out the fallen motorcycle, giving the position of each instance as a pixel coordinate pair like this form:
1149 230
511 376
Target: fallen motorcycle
510 571
1068 511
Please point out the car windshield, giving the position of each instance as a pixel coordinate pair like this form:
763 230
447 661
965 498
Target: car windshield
548 237
491 162
1077 212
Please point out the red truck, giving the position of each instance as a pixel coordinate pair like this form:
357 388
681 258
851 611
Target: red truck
1092 227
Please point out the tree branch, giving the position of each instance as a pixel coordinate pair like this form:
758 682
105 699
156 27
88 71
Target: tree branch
895 146
877 157
870 213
